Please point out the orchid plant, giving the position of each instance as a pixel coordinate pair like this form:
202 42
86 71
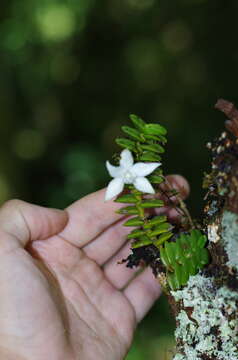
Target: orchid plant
139 173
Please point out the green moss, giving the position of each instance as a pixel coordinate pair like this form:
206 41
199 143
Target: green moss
208 329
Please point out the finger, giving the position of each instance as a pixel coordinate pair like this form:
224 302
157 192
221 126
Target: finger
178 183
88 217
119 274
108 243
142 292
91 215
24 222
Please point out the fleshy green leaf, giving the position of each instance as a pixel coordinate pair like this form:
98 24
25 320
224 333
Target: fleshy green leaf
163 238
127 198
133 133
178 270
178 252
151 203
125 143
138 122
135 234
172 281
155 129
158 138
128 210
204 256
150 156
142 241
136 221
169 249
164 257
156 220
156 179
185 276
153 147
160 229
184 257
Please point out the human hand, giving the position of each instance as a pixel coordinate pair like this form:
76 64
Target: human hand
63 295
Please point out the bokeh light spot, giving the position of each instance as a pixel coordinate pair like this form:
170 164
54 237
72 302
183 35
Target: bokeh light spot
177 36
143 59
56 22
64 69
16 35
29 144
140 4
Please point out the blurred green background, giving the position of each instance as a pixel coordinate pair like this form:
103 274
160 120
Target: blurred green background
72 71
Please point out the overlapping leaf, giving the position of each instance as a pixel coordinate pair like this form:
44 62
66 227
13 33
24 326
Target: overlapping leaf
184 257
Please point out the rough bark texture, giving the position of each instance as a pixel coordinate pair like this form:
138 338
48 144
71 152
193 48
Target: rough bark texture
206 309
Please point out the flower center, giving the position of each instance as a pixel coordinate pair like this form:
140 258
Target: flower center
128 177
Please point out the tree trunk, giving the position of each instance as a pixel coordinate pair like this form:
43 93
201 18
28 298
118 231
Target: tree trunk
206 309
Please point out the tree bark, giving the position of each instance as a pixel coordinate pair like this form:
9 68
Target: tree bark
206 309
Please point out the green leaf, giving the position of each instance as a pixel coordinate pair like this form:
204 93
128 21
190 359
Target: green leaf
143 241
152 203
172 281
163 238
135 234
156 179
156 220
164 257
128 210
153 147
125 143
185 276
192 266
128 198
202 240
169 249
178 253
155 129
133 133
186 256
160 229
183 243
178 270
158 138
204 256
138 122
150 156
136 221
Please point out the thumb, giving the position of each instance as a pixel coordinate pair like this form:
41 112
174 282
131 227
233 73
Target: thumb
24 222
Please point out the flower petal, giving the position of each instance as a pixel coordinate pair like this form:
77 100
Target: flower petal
114 188
142 184
144 169
126 159
114 171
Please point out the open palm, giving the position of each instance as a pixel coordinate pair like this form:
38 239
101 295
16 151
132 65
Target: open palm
63 295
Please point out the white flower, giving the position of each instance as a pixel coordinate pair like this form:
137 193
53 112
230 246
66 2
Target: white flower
129 173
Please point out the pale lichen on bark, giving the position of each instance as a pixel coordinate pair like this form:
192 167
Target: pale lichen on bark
230 237
206 309
209 331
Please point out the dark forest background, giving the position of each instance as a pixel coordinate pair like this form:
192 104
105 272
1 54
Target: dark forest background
72 71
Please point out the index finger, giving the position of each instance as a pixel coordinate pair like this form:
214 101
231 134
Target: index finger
88 217
91 216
